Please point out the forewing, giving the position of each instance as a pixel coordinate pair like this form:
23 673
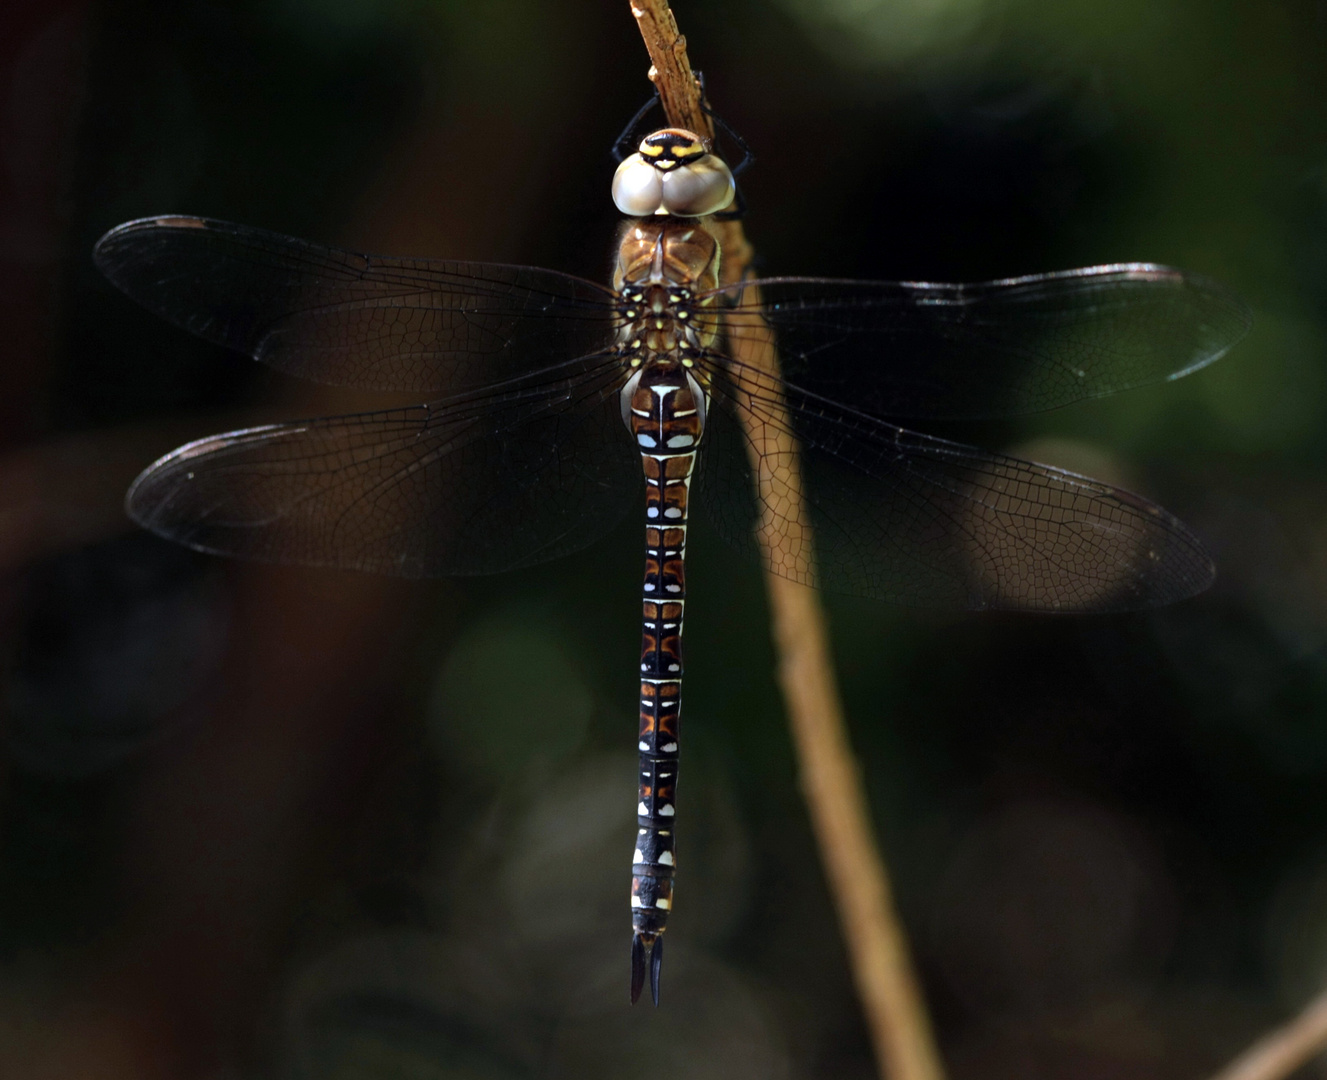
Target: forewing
336 317
1000 348
470 486
872 509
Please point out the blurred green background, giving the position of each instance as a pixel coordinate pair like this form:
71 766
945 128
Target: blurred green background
269 822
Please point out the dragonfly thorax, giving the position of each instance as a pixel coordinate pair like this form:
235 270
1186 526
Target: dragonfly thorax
683 253
662 268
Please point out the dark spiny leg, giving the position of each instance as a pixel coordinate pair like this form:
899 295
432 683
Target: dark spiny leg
748 158
622 146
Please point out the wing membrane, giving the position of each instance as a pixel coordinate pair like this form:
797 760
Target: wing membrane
424 325
472 485
526 459
901 516
1000 348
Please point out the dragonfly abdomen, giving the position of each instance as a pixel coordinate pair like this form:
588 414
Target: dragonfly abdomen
665 411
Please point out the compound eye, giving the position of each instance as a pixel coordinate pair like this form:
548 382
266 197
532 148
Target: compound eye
699 188
638 187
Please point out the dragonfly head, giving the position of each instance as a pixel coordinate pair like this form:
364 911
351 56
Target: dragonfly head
673 173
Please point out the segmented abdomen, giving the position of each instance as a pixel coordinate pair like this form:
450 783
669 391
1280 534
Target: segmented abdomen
666 417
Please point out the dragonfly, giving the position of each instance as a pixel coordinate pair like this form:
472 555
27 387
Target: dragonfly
551 400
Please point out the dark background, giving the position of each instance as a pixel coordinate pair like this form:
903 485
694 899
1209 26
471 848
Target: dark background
268 822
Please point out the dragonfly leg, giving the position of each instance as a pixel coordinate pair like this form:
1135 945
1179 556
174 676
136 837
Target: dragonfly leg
748 158
623 144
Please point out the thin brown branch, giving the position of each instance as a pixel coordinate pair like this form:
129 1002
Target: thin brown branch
671 74
1281 1052
679 91
831 782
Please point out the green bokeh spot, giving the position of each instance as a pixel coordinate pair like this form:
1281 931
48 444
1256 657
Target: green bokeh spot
509 695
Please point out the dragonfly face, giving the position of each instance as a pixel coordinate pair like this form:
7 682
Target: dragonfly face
521 456
673 174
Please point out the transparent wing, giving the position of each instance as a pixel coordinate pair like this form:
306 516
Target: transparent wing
900 516
1001 348
335 317
473 485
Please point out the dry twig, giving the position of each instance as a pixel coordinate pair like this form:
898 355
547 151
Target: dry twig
1281 1052
882 968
